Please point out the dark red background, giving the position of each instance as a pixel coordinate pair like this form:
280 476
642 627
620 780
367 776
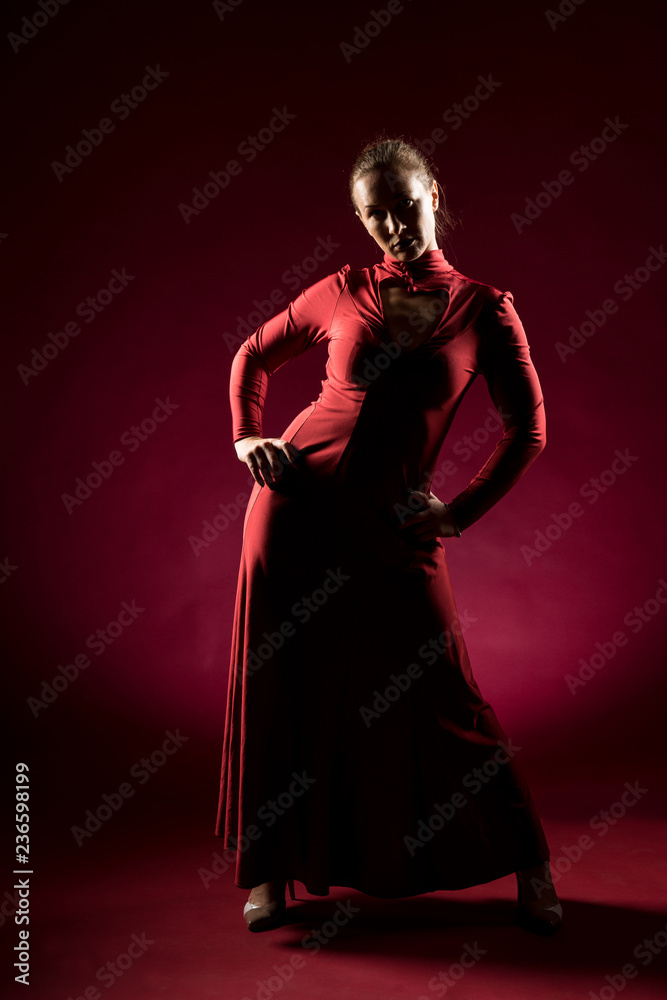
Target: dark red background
163 336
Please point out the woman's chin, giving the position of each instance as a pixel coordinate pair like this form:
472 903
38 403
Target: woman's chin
412 251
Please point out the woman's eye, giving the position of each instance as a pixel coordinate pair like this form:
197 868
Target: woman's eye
406 201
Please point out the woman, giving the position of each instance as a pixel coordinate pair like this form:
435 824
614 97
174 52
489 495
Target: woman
358 749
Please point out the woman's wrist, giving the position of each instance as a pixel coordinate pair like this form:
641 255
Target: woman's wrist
457 530
240 445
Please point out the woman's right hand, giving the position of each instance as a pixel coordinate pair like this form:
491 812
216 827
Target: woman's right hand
266 458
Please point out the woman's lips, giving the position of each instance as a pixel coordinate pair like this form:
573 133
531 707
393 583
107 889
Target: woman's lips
404 243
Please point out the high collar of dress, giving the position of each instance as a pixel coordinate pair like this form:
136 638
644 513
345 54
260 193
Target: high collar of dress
422 275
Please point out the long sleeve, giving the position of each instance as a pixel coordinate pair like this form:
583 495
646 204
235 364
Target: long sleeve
505 362
305 322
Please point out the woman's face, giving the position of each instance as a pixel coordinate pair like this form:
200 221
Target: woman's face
398 211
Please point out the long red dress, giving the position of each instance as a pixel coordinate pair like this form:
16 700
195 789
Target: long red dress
358 749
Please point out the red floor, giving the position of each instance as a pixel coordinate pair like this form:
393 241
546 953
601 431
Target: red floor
188 942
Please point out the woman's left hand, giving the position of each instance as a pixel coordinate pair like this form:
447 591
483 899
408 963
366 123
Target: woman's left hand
433 521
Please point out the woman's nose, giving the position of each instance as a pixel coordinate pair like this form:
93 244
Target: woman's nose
395 225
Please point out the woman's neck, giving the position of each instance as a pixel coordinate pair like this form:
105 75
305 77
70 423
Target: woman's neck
426 273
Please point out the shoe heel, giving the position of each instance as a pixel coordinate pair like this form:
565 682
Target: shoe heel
539 920
290 886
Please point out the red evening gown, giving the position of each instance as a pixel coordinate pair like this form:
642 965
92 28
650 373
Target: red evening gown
358 750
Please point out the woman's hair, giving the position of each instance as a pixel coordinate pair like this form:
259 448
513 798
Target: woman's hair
387 154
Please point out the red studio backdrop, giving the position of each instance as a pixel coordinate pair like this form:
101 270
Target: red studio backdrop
152 152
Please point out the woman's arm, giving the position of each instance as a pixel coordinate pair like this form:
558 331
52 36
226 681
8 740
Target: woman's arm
504 360
305 322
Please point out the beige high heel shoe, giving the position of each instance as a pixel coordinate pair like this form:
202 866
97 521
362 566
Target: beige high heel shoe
260 917
535 916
